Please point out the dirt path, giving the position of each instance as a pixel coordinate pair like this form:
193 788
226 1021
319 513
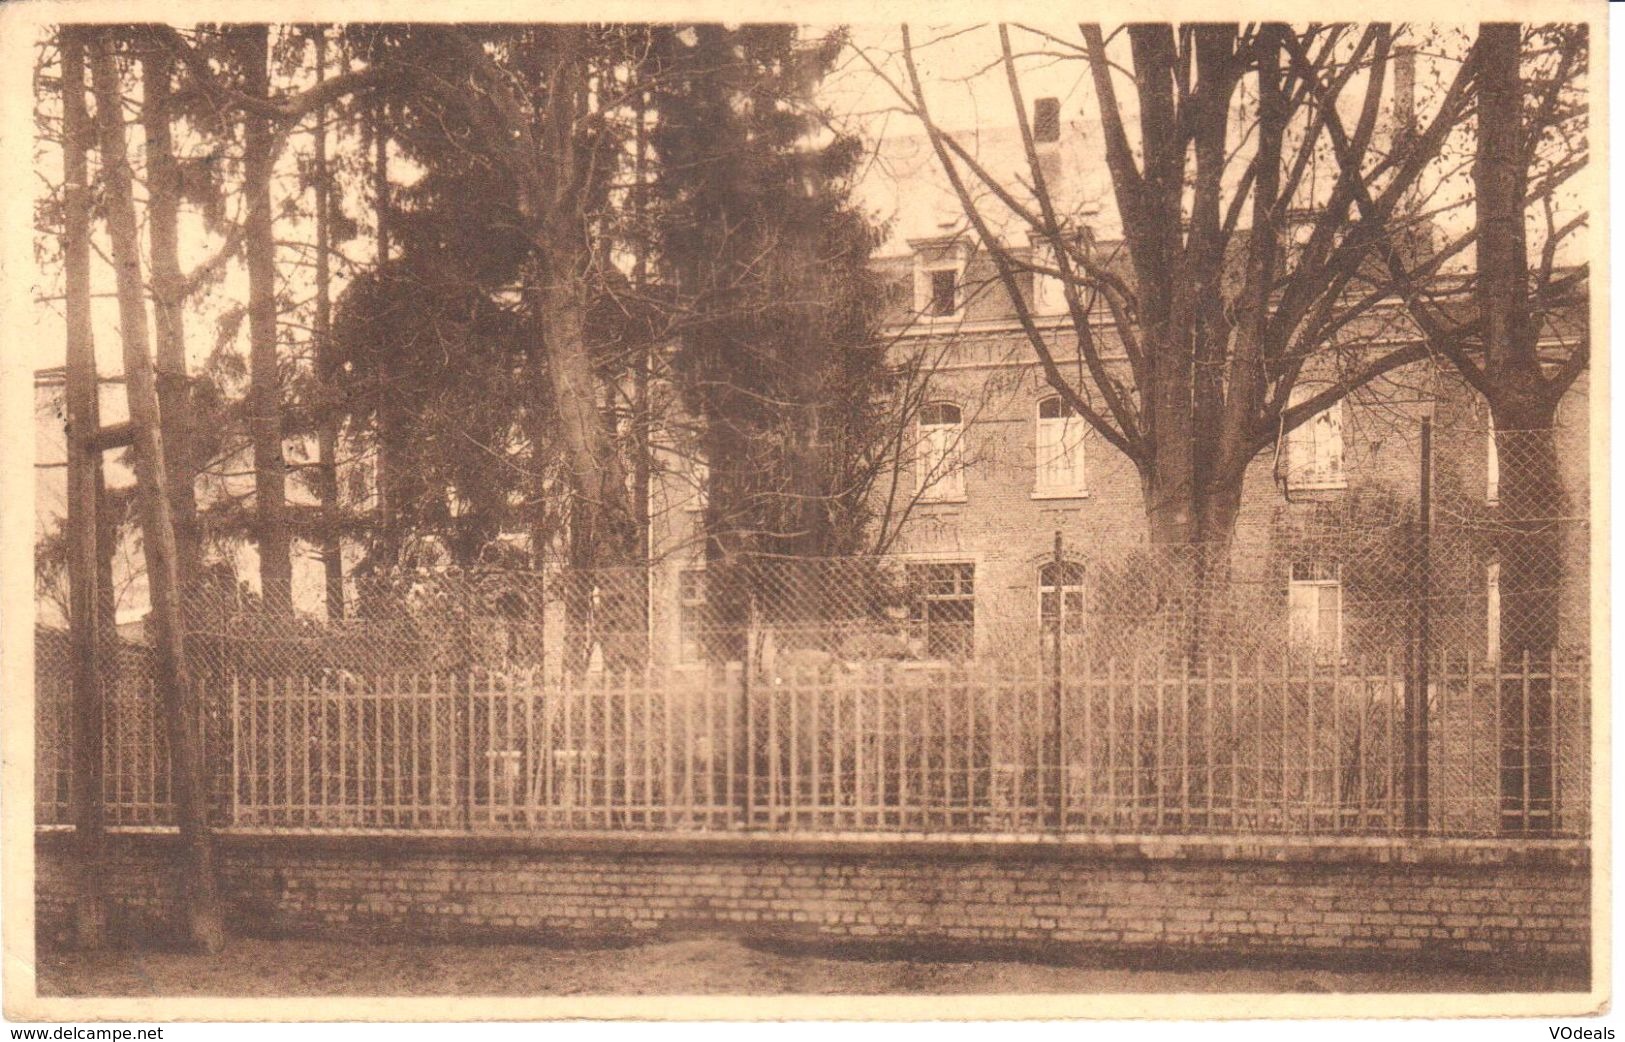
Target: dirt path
264 968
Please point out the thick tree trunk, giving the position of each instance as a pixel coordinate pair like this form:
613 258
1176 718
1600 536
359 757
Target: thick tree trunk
1192 532
174 385
603 525
1192 528
390 478
199 899
1530 553
1523 405
85 493
265 383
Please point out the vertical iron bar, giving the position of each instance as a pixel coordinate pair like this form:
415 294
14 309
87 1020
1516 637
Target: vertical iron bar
1523 734
235 764
1058 808
1417 709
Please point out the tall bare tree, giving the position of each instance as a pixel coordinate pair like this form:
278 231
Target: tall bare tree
85 492
1516 348
268 121
1217 319
265 382
543 142
327 434
200 903
169 294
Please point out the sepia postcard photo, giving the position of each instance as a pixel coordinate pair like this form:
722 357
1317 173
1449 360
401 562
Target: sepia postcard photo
880 511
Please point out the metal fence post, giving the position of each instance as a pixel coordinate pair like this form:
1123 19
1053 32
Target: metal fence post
1416 706
747 743
1056 752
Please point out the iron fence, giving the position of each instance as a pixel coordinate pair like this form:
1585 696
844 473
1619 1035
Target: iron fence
1280 683
1144 745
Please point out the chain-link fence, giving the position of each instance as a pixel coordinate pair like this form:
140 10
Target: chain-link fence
1317 676
1318 582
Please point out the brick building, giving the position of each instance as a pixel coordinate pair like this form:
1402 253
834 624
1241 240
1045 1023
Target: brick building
1324 555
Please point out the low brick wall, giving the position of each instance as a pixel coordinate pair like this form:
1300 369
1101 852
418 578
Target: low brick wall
1447 899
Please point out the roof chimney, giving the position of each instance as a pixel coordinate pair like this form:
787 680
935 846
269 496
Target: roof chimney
1404 92
1047 121
1047 141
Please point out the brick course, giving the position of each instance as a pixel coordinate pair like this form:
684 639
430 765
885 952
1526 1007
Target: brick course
1453 900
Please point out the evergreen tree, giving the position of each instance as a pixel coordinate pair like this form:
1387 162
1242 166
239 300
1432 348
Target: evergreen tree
767 257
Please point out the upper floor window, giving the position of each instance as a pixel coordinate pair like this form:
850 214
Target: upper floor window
939 280
940 470
1049 289
944 292
1315 449
1060 459
1492 468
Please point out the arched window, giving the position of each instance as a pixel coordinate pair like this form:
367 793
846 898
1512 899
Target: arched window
941 473
1060 460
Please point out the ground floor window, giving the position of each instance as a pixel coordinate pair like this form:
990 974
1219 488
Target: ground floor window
1315 609
690 615
943 608
1060 600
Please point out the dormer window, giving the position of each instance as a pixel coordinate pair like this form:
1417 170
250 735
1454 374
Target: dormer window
944 288
939 279
1049 292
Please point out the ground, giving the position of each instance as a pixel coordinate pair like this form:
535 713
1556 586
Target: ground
262 968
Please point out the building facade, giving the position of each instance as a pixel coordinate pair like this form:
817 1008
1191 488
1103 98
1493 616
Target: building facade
1014 519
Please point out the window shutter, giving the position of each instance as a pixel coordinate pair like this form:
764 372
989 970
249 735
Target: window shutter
1329 444
1300 453
928 464
1329 625
702 484
1302 604
1049 450
941 476
1049 296
1059 449
1492 609
1072 438
953 483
